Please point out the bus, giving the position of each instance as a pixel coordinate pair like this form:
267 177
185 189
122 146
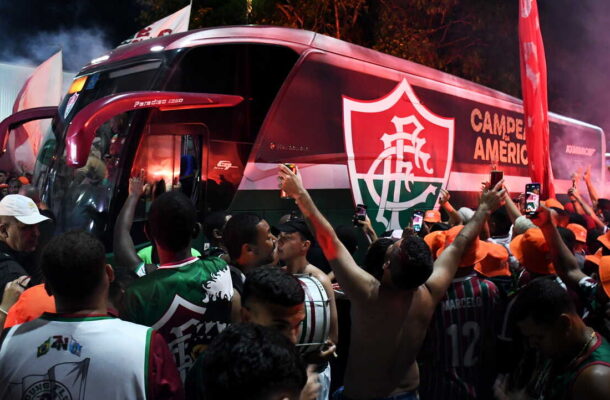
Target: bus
212 112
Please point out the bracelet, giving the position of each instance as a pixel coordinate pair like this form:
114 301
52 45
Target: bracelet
3 311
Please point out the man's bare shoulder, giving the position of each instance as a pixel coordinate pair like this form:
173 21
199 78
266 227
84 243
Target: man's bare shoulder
316 273
423 302
593 383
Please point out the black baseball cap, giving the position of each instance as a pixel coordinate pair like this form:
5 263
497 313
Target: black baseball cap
297 225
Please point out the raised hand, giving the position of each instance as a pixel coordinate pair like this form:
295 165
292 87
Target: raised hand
492 199
444 196
136 186
13 290
587 175
290 182
573 192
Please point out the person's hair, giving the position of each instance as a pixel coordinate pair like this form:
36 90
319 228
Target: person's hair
568 237
500 221
592 243
158 188
603 204
375 257
172 221
248 361
214 220
122 279
439 226
606 216
73 264
347 236
411 263
274 286
544 300
578 219
240 229
560 211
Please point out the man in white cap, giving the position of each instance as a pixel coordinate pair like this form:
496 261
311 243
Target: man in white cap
19 219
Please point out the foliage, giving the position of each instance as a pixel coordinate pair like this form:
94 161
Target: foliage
473 39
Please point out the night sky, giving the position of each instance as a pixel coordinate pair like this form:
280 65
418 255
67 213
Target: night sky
32 30
575 35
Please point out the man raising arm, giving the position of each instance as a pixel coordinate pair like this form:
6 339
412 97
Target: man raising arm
389 316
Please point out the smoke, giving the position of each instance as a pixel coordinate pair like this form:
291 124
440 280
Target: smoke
79 46
578 61
576 44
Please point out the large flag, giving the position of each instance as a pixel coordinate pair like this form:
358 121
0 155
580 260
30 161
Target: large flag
174 23
43 88
535 106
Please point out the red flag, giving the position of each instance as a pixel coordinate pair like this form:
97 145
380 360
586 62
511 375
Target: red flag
535 106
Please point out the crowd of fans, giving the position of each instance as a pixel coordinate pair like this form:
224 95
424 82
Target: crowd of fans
485 303
11 184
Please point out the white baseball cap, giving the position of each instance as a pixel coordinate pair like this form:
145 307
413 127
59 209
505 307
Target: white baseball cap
21 207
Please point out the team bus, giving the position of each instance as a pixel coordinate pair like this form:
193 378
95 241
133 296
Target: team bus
212 112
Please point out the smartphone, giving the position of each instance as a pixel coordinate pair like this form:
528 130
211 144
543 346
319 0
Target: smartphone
532 198
293 168
495 177
417 221
359 214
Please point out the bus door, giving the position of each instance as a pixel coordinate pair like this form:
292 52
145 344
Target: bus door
170 156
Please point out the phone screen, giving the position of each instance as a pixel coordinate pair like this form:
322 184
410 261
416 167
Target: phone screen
359 214
418 220
532 198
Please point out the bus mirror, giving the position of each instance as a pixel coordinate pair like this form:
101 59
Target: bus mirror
21 117
85 123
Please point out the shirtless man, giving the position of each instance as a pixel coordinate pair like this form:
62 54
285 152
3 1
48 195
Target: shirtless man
389 316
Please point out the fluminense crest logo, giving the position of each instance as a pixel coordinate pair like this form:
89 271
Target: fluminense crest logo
399 154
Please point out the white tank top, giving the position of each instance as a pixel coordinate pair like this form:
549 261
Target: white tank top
75 359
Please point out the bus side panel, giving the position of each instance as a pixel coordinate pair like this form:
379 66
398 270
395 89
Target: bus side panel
306 126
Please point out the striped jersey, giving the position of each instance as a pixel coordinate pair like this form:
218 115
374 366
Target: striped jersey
188 303
457 359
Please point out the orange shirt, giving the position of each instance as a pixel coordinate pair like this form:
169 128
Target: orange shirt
32 303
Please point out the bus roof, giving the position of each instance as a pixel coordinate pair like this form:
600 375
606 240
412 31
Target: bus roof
297 39
300 40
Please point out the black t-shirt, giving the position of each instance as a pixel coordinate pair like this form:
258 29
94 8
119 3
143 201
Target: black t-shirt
10 269
238 279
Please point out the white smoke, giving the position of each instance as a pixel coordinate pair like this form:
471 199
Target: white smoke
79 46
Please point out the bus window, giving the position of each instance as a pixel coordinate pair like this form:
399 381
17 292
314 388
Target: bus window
158 160
169 162
81 197
254 71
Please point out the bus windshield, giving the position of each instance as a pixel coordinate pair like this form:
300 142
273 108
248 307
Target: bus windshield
80 198
91 197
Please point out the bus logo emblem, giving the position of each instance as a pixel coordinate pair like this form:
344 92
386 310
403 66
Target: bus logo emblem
399 154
